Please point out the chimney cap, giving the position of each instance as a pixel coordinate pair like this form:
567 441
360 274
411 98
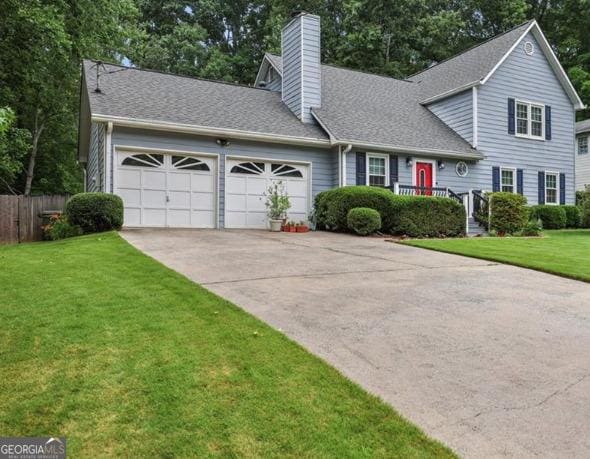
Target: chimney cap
296 13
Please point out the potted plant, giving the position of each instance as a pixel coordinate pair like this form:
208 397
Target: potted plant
286 226
302 227
277 205
292 227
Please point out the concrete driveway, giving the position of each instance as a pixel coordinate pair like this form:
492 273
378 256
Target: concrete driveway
491 359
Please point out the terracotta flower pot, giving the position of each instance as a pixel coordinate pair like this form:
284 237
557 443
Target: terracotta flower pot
302 229
292 229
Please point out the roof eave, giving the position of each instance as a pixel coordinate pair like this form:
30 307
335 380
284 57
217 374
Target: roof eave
433 152
450 92
210 131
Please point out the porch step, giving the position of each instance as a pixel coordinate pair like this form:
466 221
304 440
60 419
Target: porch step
474 228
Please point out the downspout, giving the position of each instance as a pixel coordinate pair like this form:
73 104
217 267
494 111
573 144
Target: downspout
108 158
343 172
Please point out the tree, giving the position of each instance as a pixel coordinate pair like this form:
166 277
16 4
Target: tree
14 144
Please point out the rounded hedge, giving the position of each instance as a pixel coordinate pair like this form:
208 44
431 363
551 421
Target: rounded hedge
573 216
509 213
95 212
332 206
363 221
585 214
414 216
552 217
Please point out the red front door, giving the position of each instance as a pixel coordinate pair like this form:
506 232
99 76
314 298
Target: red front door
424 178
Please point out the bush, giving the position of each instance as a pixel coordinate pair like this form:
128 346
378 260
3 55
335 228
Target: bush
585 210
425 216
95 212
553 217
59 228
332 206
363 220
509 214
532 228
573 216
414 216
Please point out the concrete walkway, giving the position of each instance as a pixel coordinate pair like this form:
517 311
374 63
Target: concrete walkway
493 360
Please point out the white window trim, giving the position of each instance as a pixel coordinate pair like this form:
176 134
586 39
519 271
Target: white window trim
529 104
377 155
587 137
557 188
434 163
514 179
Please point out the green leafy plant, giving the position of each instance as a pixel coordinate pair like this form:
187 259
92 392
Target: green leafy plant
363 221
95 212
532 228
553 217
59 228
277 201
509 213
573 216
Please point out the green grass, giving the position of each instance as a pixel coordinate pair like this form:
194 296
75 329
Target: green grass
124 357
564 252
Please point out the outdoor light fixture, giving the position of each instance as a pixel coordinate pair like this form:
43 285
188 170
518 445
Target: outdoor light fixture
222 142
409 161
441 164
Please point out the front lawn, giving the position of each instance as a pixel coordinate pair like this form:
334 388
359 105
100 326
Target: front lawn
126 358
564 252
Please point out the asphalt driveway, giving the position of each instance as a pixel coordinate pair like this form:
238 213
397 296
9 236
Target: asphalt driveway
493 360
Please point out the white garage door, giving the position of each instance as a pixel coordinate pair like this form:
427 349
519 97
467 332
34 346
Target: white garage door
246 183
173 190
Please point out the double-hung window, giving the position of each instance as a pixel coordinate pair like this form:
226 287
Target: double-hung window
507 180
377 170
530 120
551 187
583 145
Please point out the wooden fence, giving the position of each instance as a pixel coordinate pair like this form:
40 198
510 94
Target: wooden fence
20 216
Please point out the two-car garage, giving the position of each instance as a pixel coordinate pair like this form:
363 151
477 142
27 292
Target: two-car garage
180 189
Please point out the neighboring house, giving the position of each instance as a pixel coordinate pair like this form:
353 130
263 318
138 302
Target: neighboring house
583 157
186 152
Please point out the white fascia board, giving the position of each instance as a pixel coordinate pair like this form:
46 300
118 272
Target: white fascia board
476 155
553 61
324 127
449 93
210 131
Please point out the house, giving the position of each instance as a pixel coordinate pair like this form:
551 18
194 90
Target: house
187 152
582 158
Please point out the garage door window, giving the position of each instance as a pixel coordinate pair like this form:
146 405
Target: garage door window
189 163
248 168
144 160
284 170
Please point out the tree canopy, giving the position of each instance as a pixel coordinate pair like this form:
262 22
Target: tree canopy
42 43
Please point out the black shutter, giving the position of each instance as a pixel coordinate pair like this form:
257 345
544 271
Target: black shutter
511 117
361 168
519 181
547 122
541 187
495 179
393 170
562 189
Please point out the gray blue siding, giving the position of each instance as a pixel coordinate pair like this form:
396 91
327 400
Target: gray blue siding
95 164
529 78
322 160
582 166
301 83
457 113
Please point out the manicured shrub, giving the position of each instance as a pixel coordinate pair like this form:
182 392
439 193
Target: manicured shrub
332 206
585 209
59 228
573 216
414 216
509 214
95 212
363 220
425 216
532 228
553 217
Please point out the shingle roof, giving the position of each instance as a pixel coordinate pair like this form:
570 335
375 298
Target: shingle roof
583 126
370 109
155 96
469 66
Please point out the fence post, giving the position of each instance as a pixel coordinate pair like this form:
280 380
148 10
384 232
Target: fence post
396 188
